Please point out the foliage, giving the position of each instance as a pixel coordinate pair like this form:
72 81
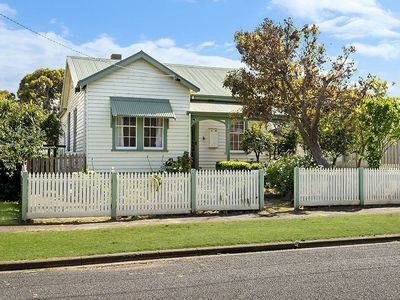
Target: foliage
21 136
43 87
238 165
7 95
286 139
9 213
52 128
287 70
378 119
258 139
336 135
182 164
10 185
280 173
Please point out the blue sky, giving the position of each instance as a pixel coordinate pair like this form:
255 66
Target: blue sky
190 31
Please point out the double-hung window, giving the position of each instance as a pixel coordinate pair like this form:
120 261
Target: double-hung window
153 133
126 133
236 135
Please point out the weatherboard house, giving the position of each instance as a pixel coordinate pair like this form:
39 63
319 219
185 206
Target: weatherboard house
133 114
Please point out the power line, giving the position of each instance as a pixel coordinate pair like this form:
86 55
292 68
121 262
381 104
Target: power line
75 50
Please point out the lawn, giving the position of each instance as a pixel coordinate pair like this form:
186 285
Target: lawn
9 213
50 244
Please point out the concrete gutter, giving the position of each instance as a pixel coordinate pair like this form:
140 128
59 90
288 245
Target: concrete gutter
190 252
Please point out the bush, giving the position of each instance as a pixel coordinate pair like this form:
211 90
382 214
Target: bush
238 165
280 173
182 164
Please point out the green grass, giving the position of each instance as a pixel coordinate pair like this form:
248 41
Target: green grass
9 213
50 244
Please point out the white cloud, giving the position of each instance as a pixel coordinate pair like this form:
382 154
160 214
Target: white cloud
206 44
23 52
6 9
385 50
346 19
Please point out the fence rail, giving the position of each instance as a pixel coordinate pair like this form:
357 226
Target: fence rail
325 187
57 164
124 194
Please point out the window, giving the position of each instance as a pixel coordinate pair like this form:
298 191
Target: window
236 134
69 132
126 132
75 117
153 133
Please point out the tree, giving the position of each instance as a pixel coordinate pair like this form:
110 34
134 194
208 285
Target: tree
52 128
286 138
7 95
336 135
378 119
258 139
43 87
287 70
21 136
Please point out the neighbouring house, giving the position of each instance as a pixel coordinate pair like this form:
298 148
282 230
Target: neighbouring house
133 114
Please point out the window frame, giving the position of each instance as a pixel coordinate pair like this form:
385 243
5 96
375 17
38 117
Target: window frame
231 133
116 136
139 136
156 127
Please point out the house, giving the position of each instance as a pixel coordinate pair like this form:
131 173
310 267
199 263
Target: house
133 114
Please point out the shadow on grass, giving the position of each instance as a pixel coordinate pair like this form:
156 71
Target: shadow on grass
9 213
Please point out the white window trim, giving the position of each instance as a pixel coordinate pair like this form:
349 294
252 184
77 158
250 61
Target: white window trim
238 151
116 134
162 134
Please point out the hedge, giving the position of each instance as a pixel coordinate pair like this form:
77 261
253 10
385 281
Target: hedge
238 165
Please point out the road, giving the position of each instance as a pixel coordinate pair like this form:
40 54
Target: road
351 272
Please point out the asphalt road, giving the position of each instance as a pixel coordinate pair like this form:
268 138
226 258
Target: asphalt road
352 272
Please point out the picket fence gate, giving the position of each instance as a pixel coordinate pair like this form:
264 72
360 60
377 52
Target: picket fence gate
56 195
346 186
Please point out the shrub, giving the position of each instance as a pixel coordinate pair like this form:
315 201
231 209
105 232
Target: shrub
280 173
182 164
238 165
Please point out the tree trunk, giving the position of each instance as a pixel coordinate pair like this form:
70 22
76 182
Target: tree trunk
257 156
317 154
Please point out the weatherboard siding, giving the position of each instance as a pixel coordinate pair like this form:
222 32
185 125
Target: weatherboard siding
126 83
209 156
75 100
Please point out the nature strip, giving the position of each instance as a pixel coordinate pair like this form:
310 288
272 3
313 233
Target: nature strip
163 254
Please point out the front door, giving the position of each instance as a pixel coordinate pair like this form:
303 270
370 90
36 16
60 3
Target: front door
194 145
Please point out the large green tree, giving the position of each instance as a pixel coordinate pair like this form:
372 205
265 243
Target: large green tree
21 134
288 70
42 87
377 124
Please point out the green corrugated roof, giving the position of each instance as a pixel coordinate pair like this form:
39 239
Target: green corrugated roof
208 79
137 107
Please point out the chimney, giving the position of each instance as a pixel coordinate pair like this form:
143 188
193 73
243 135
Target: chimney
116 56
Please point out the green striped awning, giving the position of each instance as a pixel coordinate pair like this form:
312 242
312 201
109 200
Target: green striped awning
141 107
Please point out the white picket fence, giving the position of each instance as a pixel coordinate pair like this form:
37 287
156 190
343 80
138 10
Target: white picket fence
60 195
382 186
348 186
139 194
229 190
49 195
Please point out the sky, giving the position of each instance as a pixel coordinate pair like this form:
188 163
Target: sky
198 32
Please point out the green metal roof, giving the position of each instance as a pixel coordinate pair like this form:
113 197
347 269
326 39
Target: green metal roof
141 107
205 82
209 79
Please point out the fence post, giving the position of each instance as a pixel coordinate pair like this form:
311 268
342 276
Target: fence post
361 185
193 180
114 189
296 188
24 195
261 188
